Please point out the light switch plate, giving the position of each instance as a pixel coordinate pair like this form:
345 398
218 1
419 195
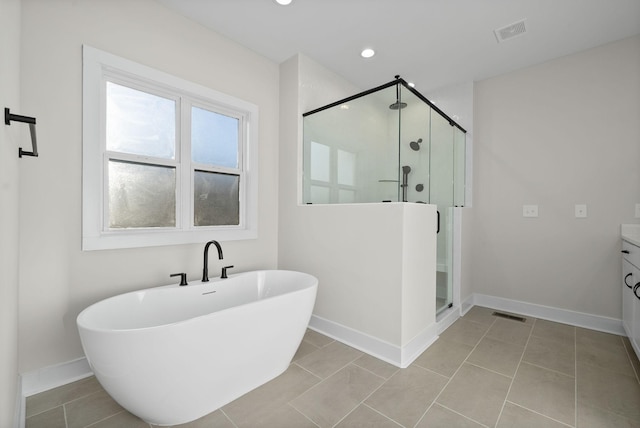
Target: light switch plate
637 210
581 211
529 211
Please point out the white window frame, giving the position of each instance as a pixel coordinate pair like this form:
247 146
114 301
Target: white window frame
96 235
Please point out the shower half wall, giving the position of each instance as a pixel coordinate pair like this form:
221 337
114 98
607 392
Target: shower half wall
376 261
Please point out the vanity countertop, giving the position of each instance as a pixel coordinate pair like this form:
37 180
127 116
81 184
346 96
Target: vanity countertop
631 233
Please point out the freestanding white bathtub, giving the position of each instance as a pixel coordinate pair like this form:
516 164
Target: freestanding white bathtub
173 354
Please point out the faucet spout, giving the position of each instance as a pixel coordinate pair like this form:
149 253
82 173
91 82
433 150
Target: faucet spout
205 269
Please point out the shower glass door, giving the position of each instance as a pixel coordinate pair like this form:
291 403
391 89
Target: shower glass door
442 194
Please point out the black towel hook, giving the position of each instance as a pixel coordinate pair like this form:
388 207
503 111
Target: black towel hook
8 117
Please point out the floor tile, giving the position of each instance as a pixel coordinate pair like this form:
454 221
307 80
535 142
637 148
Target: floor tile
365 417
554 331
501 357
544 391
256 405
53 418
609 355
122 419
476 393
90 409
516 416
407 395
609 391
480 315
335 397
510 331
376 366
465 332
304 349
590 417
63 394
635 362
444 356
283 416
329 359
316 339
552 354
214 419
438 416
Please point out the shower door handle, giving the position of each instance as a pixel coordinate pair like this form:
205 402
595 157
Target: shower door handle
438 229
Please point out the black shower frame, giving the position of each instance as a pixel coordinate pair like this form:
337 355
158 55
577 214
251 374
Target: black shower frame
397 81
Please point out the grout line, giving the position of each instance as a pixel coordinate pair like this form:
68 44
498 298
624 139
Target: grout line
384 381
64 413
513 379
458 413
538 413
457 370
229 417
299 412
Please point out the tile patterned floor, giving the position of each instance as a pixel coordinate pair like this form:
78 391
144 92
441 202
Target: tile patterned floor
484 371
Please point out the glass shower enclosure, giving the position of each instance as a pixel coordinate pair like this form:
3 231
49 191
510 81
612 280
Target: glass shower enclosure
388 144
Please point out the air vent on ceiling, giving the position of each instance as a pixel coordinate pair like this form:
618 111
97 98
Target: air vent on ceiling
511 31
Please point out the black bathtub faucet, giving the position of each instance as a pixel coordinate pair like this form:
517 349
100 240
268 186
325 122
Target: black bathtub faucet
205 269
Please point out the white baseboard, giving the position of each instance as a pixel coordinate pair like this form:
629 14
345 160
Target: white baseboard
565 316
393 354
53 376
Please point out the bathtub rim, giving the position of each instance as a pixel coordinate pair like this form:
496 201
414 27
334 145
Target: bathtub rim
82 326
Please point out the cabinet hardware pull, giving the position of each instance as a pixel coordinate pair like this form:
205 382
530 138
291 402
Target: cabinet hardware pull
625 251
635 289
625 280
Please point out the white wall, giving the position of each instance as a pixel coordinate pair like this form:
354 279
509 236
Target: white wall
557 134
57 279
11 137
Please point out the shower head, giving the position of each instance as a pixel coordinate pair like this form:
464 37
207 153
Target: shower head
397 105
415 145
406 169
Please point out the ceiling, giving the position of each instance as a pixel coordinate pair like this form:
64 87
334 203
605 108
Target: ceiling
433 43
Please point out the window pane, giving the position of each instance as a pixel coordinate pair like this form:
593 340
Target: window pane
216 199
214 138
320 162
140 123
141 195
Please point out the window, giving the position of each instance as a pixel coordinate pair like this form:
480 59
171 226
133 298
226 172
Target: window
165 161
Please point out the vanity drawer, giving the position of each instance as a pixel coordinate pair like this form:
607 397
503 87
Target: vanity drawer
633 255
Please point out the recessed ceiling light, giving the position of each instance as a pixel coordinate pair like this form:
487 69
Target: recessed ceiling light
283 2
367 53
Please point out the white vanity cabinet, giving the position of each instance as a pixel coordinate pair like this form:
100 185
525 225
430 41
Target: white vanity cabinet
631 292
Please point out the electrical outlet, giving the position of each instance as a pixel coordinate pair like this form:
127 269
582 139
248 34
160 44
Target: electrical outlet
637 210
581 211
529 211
